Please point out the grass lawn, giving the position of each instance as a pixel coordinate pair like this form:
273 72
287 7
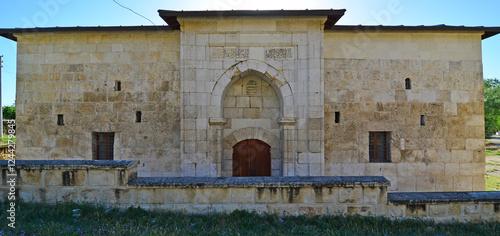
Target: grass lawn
492 183
39 219
491 153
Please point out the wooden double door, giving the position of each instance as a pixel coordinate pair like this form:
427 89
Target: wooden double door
251 157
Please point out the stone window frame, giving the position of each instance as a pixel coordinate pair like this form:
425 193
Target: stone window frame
373 153
109 148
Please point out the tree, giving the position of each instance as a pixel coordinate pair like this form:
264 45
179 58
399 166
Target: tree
491 106
9 112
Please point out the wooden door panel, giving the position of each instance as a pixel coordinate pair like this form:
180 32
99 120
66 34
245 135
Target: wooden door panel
251 158
240 163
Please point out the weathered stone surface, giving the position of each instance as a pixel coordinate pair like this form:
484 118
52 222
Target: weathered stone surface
261 182
251 73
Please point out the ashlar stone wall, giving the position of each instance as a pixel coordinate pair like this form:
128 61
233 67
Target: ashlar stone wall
285 52
74 74
365 76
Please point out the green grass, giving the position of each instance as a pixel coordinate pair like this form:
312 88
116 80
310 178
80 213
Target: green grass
491 170
493 163
492 153
492 183
5 139
39 219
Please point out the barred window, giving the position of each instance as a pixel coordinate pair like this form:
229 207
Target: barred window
379 147
103 144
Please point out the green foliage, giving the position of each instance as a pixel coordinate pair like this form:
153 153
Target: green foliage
40 219
7 139
491 106
9 112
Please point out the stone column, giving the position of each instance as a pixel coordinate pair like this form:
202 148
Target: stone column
288 144
216 142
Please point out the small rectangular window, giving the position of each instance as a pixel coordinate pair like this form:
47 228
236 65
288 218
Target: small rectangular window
103 146
407 84
337 117
379 147
422 120
60 119
118 86
138 117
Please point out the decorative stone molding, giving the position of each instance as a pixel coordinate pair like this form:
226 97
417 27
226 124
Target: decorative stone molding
287 121
217 121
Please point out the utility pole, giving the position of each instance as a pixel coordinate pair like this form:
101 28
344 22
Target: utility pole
1 108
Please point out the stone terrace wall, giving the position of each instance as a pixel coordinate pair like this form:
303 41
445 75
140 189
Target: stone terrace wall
64 181
115 183
365 76
74 74
446 206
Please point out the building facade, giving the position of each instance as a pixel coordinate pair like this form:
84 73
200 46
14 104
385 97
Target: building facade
258 93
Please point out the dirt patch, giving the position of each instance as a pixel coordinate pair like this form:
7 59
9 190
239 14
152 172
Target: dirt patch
491 147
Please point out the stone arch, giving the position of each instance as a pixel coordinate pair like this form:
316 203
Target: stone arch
261 70
252 133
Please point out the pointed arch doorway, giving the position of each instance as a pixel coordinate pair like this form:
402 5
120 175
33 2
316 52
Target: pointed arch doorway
251 157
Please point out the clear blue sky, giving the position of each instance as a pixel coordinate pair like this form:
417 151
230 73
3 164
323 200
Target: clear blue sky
49 13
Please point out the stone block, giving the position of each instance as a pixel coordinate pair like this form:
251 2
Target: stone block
25 194
101 177
90 195
350 195
268 195
418 211
242 195
353 169
296 195
463 183
474 144
444 182
46 195
471 168
117 196
86 108
438 210
64 178
212 196
311 210
371 194
360 210
471 209
407 184
30 177
177 196
68 195
451 169
149 196
396 211
425 184
283 209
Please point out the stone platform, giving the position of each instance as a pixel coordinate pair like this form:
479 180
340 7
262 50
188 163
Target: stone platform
115 183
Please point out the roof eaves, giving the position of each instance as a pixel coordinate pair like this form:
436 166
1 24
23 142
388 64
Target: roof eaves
9 32
488 31
170 17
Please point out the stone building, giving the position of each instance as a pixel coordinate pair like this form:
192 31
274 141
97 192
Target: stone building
257 93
